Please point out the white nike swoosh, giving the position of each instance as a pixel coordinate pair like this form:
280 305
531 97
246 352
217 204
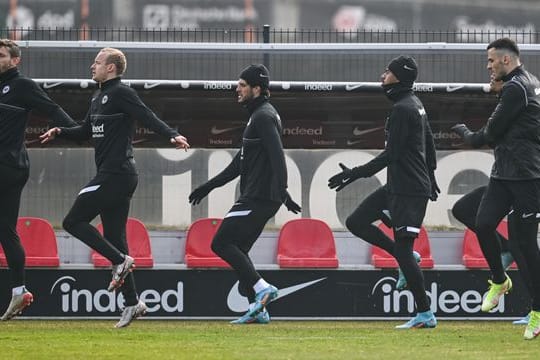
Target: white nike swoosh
452 88
151 85
358 132
215 131
527 215
408 68
50 86
350 142
239 303
350 87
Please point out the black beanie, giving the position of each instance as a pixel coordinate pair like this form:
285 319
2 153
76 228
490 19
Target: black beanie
256 75
404 68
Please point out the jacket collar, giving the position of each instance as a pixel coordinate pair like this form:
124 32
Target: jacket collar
253 104
518 70
9 74
396 91
110 83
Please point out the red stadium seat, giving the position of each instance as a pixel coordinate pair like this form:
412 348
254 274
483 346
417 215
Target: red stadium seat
198 240
473 258
39 242
381 259
306 243
138 244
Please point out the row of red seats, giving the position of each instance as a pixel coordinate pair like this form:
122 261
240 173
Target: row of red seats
302 243
39 241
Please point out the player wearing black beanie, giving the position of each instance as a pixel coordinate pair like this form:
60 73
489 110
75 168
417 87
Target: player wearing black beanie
256 75
409 157
260 163
404 69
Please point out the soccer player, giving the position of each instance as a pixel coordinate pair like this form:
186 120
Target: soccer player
409 155
18 96
260 163
512 130
465 210
110 123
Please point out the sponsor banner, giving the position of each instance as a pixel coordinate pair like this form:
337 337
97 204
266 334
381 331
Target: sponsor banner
303 293
58 15
200 14
314 115
478 22
277 86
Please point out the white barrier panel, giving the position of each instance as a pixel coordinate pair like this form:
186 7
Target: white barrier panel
308 177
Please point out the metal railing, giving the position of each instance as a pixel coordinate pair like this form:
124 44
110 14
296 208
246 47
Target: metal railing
267 34
290 55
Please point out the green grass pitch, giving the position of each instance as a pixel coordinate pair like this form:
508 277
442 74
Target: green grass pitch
175 339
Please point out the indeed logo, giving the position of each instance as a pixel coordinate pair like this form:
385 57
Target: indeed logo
98 130
143 131
303 131
442 135
217 86
36 130
74 300
423 87
447 301
318 87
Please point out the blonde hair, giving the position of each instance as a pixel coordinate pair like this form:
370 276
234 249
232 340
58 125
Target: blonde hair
116 57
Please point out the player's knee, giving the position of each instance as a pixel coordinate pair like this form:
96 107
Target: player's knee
217 246
485 227
457 212
68 224
355 225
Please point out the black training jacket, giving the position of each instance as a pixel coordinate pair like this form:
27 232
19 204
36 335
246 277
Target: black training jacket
110 123
261 160
513 128
18 96
409 153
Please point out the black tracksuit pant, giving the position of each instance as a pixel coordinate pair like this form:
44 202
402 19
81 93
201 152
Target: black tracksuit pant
12 183
235 237
401 213
465 210
523 196
109 196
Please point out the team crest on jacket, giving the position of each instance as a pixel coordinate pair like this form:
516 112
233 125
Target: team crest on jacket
5 90
104 99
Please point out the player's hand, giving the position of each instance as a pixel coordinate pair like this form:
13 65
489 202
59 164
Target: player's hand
345 177
199 193
291 205
180 142
435 191
49 135
461 129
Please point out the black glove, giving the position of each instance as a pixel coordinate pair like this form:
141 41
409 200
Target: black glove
462 130
345 177
291 205
435 191
199 193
